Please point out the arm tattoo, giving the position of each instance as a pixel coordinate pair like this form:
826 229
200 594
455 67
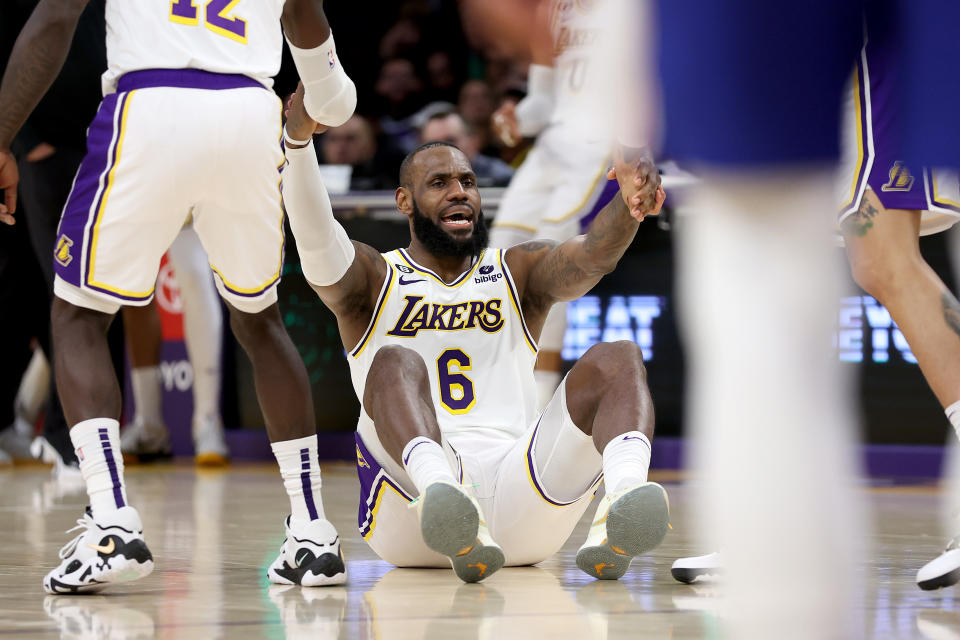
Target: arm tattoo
951 311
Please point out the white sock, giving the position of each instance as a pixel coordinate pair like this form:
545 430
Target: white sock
426 463
953 415
301 477
148 394
97 444
626 460
547 383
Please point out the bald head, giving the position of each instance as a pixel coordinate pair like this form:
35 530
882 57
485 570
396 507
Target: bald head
410 168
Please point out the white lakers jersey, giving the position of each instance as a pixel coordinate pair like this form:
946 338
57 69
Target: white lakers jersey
471 336
221 36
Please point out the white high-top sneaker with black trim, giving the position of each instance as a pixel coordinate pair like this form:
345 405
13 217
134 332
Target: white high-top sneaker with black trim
108 550
310 556
942 571
627 524
451 523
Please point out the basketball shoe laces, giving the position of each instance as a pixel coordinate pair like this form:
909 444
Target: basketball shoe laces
83 523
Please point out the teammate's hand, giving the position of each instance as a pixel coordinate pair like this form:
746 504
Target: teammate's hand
505 124
9 177
639 182
300 126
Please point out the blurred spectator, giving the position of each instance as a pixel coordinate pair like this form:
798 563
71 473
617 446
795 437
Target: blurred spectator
400 91
401 40
475 104
450 127
442 80
375 166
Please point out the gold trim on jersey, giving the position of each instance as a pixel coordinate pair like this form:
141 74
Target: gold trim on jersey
427 272
592 193
514 299
381 302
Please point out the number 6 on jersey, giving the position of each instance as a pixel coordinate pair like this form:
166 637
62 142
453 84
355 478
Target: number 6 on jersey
217 19
456 389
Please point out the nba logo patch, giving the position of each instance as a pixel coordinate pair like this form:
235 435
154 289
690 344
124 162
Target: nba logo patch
330 57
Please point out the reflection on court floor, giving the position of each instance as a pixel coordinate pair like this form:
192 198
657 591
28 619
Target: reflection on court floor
214 532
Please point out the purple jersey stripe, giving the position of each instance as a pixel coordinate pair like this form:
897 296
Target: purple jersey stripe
184 79
306 483
112 466
86 186
610 189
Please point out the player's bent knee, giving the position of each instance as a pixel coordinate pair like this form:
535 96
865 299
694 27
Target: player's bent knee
399 363
616 360
880 274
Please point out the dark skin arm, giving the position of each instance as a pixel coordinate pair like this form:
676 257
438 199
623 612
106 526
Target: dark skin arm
547 272
305 23
352 298
35 61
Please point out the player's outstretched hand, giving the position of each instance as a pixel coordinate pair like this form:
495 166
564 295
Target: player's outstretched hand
505 124
9 177
639 181
300 126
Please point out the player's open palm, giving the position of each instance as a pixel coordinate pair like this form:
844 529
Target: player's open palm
8 182
300 126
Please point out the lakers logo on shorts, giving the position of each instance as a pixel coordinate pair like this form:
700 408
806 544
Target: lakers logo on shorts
62 252
360 461
900 178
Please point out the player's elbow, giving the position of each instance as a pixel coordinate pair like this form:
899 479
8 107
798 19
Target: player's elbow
337 109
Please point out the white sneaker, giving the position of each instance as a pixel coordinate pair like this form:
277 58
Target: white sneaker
451 523
15 444
942 571
145 440
310 556
209 443
697 568
627 524
109 549
42 450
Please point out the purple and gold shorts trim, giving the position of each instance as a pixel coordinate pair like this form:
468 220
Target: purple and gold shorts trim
535 480
374 482
184 79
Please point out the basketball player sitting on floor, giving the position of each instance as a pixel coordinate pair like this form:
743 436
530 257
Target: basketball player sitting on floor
455 465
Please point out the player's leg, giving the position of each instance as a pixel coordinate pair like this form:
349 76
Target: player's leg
117 223
240 224
759 293
397 398
147 437
203 334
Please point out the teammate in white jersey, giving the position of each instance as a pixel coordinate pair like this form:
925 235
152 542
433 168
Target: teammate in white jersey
561 183
187 126
441 339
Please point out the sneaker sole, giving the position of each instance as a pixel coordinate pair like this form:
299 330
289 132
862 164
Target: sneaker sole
636 523
689 576
449 523
945 580
211 460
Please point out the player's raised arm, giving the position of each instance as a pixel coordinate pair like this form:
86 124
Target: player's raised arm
346 275
34 63
548 273
330 95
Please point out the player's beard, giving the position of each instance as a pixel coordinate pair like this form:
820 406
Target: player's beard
440 243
